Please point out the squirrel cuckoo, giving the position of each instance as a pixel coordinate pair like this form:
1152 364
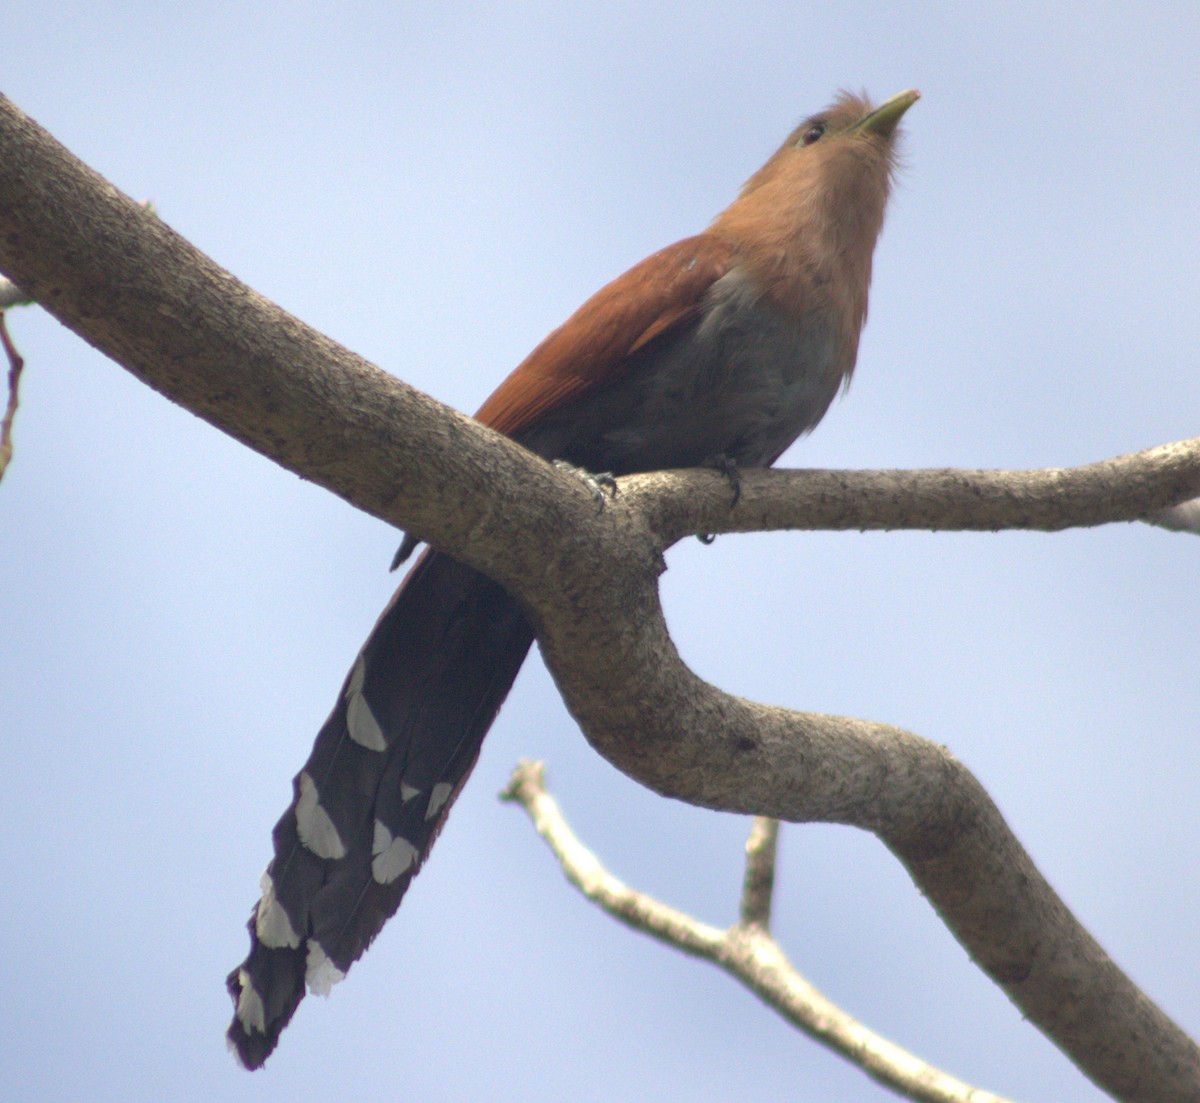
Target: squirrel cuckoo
724 348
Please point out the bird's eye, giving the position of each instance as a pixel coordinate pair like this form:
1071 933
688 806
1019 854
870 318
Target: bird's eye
813 134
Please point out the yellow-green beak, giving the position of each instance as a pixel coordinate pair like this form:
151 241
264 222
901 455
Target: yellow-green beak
883 119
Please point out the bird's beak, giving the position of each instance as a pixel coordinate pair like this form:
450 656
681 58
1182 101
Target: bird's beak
883 119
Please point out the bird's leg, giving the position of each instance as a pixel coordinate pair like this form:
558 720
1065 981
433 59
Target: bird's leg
727 466
603 485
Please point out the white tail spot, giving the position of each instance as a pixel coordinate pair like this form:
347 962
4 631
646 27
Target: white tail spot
437 798
232 1046
392 855
320 973
272 924
407 792
313 824
364 729
250 1011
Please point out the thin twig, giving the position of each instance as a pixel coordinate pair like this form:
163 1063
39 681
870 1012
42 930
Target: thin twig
758 887
583 869
746 951
16 364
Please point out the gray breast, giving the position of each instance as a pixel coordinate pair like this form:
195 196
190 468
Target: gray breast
740 381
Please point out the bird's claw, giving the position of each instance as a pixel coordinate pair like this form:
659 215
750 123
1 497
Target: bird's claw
602 485
728 467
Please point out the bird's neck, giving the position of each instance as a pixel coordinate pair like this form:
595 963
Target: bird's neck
807 252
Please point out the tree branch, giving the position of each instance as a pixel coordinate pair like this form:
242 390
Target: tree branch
758 887
16 365
112 270
746 951
129 285
1126 488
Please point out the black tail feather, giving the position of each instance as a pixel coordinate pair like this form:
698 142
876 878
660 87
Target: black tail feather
377 788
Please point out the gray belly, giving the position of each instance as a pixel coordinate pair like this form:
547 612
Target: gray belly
740 381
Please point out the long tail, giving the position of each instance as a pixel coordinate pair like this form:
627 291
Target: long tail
369 803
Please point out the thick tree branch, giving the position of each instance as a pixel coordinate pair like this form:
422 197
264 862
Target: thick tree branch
746 951
121 278
1140 486
110 269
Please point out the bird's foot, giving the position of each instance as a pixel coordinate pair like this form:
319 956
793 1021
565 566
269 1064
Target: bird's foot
603 485
727 466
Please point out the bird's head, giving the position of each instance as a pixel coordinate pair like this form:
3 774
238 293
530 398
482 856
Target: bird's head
818 203
848 143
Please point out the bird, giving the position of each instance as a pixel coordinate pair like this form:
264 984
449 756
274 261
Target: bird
721 349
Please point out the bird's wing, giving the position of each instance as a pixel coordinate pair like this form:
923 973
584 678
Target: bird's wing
591 346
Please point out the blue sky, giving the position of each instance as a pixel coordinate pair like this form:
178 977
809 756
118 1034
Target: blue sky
436 186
